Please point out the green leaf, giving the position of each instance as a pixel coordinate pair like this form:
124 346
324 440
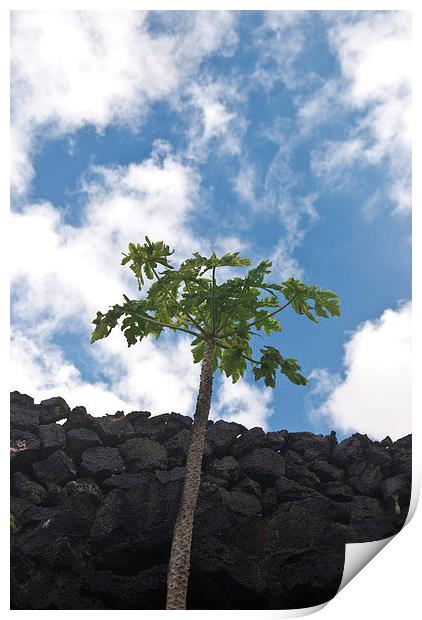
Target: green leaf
268 364
104 323
198 352
233 364
270 361
186 299
290 368
144 258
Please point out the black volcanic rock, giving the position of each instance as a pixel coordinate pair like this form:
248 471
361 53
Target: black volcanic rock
226 468
310 446
24 417
100 462
325 471
16 398
80 439
369 520
113 429
250 486
263 465
85 490
396 491
143 454
290 491
338 491
240 502
293 458
162 427
138 419
53 437
211 484
221 435
302 475
22 486
277 440
57 468
175 474
349 450
94 520
125 481
401 454
53 410
177 447
78 418
24 449
380 456
249 440
269 501
364 477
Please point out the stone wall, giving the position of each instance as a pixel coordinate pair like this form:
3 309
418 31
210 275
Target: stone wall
95 500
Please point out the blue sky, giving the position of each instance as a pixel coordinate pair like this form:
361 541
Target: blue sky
282 135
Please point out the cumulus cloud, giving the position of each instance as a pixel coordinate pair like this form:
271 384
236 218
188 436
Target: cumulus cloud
374 53
65 270
63 274
151 377
75 68
39 368
374 397
242 402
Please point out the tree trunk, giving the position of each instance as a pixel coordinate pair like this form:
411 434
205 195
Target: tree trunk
179 565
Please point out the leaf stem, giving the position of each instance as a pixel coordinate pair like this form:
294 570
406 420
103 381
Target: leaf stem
227 346
259 320
197 325
151 320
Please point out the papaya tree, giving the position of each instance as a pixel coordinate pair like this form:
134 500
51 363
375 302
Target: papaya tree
221 319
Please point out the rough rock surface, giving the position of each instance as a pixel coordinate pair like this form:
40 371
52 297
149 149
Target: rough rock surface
95 502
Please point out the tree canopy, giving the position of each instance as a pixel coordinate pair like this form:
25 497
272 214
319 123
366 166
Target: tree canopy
189 300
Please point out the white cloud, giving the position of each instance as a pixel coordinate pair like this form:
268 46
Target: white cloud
214 110
67 271
71 69
374 52
159 376
284 265
245 184
375 395
215 117
39 368
280 41
136 375
77 68
325 105
63 274
296 212
375 55
280 197
335 157
242 402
